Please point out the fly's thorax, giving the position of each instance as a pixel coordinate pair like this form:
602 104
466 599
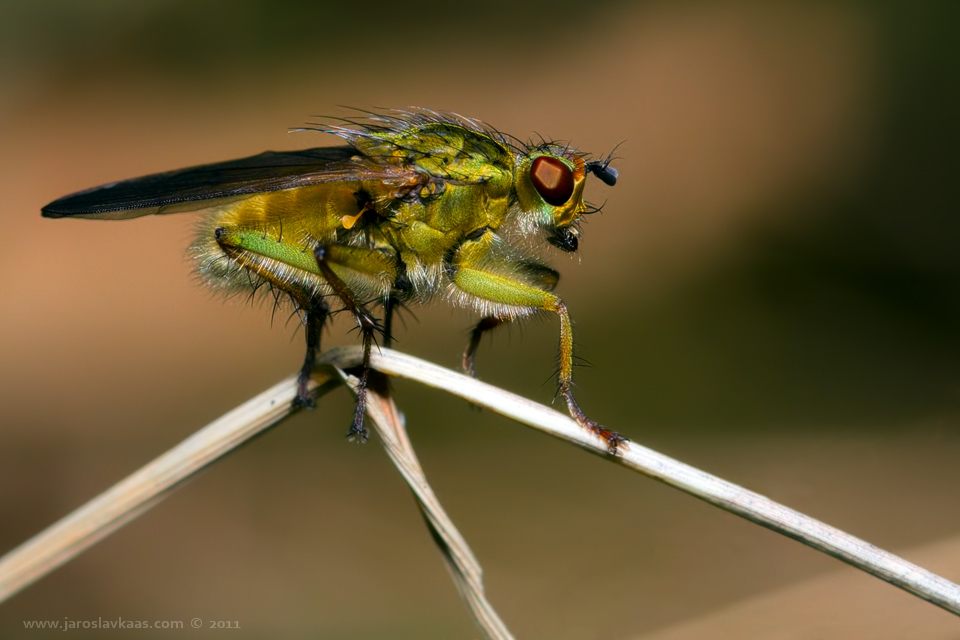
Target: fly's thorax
463 208
431 221
447 152
549 188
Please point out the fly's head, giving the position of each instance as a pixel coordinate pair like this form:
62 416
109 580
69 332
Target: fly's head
549 183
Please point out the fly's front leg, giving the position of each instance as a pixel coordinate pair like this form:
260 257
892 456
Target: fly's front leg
511 292
613 439
354 259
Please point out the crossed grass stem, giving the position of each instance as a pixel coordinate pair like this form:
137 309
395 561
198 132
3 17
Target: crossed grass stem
146 487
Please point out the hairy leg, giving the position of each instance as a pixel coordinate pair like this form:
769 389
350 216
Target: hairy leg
486 324
515 292
315 316
368 327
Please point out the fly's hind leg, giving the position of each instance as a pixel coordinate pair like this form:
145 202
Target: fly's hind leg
343 269
368 327
315 316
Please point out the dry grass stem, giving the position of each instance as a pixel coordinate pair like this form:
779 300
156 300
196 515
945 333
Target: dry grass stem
726 495
140 491
135 494
463 566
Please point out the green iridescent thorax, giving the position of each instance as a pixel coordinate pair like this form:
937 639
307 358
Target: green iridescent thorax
445 150
470 174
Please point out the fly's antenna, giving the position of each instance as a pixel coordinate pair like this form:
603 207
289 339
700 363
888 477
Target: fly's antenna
602 169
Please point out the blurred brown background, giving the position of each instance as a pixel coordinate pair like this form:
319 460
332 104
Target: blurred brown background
772 293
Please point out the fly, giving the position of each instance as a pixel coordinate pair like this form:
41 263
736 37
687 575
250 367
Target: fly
416 206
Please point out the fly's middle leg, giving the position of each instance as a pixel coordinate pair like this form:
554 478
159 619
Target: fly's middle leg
469 354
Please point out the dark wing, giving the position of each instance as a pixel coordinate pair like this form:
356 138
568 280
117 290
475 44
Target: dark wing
210 184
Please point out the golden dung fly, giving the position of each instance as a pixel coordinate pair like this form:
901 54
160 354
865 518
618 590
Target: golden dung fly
416 206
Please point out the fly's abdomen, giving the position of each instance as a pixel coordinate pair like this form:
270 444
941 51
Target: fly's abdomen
272 237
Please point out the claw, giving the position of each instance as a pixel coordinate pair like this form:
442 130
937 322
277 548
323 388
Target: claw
614 441
304 402
358 435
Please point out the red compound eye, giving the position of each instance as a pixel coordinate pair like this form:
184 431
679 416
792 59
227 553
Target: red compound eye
552 179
